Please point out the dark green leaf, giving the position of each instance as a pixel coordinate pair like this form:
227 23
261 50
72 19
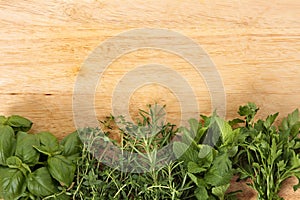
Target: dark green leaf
235 122
19 123
25 150
40 183
48 144
249 109
62 169
15 162
7 143
3 120
12 183
201 193
72 144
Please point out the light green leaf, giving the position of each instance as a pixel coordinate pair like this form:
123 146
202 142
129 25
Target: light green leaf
195 179
281 166
220 172
3 120
228 136
220 191
295 129
270 120
179 148
201 193
293 118
204 150
195 168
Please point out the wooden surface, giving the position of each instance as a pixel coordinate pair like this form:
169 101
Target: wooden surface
254 44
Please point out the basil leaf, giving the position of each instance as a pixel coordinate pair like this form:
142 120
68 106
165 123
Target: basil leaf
3 120
25 150
48 144
15 162
12 183
62 169
7 143
72 145
40 183
19 123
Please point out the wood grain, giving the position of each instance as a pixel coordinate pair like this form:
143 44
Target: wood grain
254 45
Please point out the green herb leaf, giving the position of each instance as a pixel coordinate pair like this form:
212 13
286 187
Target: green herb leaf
195 168
201 193
220 191
7 143
25 150
48 144
3 120
15 162
184 152
40 183
221 171
19 123
72 145
62 169
12 183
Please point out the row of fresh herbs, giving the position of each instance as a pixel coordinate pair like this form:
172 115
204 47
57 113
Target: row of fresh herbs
152 160
35 166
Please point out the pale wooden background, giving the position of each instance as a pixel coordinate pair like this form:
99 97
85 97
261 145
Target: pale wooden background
254 44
